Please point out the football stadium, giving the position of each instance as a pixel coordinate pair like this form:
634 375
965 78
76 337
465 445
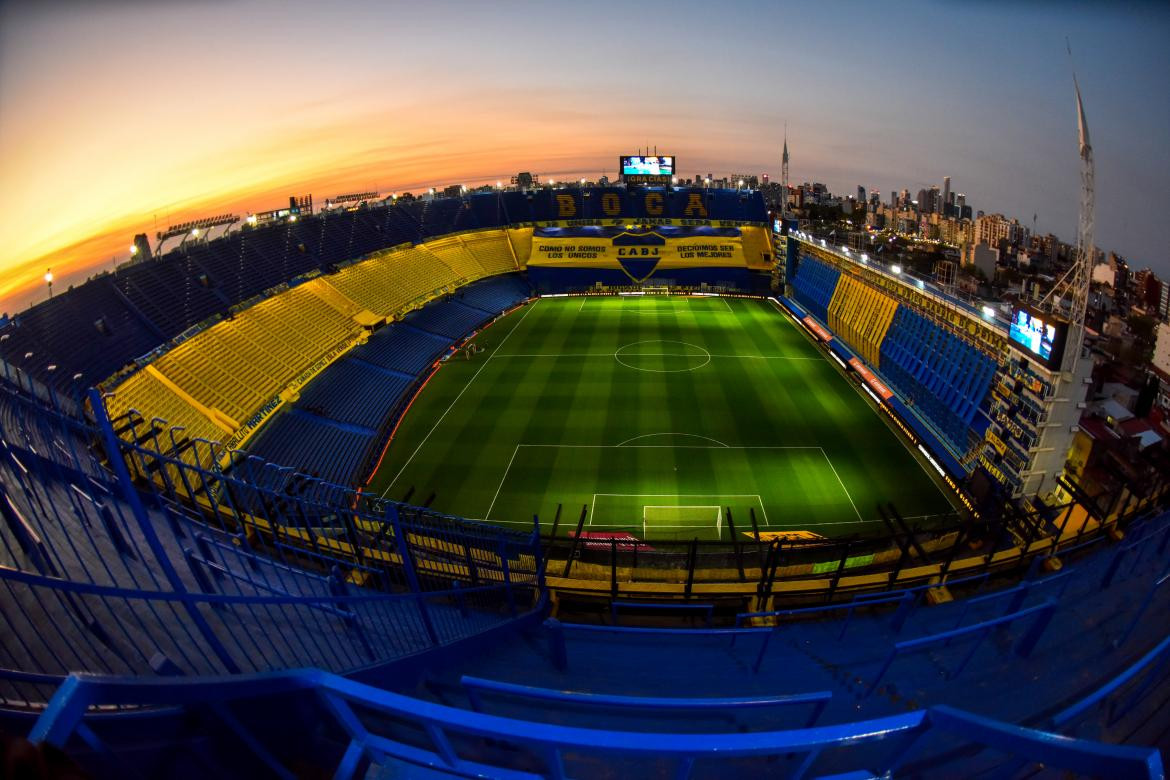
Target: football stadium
635 480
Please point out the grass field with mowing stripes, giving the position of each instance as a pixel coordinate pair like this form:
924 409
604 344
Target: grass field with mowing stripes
669 417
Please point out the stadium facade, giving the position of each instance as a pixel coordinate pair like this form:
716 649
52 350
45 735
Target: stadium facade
182 520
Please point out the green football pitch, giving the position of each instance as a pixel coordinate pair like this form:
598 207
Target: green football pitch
662 416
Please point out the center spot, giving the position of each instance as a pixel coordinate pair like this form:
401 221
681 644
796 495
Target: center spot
662 356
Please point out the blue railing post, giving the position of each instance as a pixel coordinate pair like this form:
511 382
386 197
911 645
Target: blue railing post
1114 565
200 574
204 545
146 526
506 571
1028 641
1141 610
114 532
905 607
536 553
460 599
403 546
556 644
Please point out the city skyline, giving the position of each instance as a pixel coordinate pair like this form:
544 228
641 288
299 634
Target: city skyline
190 123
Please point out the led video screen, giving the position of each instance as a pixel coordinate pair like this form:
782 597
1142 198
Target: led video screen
1038 334
652 165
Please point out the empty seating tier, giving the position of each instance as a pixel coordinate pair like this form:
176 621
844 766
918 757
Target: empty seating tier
355 392
941 376
318 448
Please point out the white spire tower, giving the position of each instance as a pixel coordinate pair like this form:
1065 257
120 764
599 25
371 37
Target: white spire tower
784 174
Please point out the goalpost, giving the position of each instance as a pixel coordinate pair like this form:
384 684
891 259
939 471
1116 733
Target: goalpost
682 517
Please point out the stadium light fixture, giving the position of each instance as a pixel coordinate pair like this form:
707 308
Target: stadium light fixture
292 217
896 269
251 219
499 185
864 257
988 312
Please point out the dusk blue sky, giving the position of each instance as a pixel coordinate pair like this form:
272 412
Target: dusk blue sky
113 116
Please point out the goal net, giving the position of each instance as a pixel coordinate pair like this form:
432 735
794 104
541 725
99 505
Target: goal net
676 517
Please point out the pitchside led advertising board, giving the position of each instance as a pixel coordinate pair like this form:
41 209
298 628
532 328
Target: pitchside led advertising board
1039 334
647 169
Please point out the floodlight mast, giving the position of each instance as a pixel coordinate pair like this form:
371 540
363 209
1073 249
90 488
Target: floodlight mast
1069 297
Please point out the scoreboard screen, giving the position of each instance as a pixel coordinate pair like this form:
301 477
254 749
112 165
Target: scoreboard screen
651 165
1038 334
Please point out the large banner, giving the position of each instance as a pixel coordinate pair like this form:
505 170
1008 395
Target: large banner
639 252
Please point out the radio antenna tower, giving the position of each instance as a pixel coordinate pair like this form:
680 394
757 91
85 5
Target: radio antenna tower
1070 295
784 174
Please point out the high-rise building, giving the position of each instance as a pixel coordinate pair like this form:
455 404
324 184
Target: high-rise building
994 228
946 196
860 194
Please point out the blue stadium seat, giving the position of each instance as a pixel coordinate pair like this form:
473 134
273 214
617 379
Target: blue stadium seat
320 448
447 318
814 285
403 349
355 392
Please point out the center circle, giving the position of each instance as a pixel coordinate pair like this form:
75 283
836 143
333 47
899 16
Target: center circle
661 356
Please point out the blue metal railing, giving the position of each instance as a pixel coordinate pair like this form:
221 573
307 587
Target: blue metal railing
1027 642
451 735
1149 666
476 686
107 571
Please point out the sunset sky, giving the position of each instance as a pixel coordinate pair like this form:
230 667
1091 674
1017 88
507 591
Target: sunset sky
125 117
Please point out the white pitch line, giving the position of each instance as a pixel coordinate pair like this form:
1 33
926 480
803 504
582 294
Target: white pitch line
671 433
502 479
461 392
679 495
728 305
650 354
672 446
842 484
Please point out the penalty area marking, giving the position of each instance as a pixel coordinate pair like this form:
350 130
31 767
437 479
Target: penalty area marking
673 433
667 508
721 446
